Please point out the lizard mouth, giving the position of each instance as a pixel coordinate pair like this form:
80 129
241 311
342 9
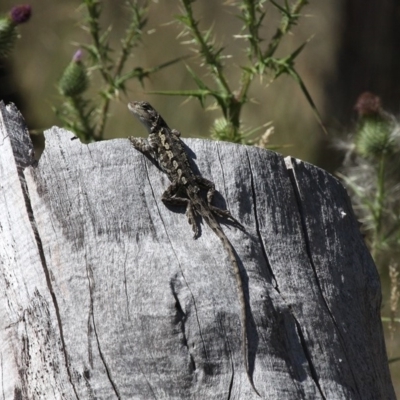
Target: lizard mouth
136 108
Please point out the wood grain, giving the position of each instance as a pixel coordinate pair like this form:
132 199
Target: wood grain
105 294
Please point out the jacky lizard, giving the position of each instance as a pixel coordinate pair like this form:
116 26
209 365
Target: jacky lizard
165 146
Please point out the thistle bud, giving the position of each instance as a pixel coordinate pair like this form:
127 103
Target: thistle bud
368 104
222 129
8 36
20 14
74 80
8 25
374 131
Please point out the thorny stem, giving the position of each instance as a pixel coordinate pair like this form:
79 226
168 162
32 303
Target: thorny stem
230 104
103 118
253 25
211 59
79 108
133 34
286 23
380 199
93 9
252 14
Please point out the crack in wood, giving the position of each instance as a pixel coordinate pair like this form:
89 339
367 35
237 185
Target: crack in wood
103 360
297 195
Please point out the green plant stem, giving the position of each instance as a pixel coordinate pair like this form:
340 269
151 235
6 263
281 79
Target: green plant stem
230 105
133 34
102 119
250 8
211 59
289 19
94 12
77 104
246 80
379 205
93 8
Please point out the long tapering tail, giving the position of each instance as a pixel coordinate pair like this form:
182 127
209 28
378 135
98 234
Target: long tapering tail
211 221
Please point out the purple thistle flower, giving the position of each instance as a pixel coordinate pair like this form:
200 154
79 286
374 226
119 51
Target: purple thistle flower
368 104
20 14
77 56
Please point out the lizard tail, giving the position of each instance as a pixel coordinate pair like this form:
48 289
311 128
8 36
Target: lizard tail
243 306
209 218
244 318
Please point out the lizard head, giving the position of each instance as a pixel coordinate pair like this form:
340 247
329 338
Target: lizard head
147 115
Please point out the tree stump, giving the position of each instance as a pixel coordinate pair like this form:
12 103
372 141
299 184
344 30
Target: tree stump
106 295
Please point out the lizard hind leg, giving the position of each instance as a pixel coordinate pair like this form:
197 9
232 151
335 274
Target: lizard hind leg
225 214
191 219
169 198
205 183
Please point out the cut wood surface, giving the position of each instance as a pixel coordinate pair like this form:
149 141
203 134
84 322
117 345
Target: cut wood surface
106 295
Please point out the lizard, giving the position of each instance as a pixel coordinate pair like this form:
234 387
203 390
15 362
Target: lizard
166 148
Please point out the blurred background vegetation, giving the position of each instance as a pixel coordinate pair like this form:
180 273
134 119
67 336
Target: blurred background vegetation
354 46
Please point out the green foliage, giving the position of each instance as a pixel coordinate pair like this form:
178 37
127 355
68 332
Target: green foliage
88 117
371 172
105 67
374 138
261 60
8 36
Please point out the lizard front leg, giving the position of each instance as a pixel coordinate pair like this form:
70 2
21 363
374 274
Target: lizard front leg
142 145
169 198
176 132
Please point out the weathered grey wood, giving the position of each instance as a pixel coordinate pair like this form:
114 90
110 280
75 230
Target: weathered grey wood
105 294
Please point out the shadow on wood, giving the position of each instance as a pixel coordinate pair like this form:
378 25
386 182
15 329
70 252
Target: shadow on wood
105 294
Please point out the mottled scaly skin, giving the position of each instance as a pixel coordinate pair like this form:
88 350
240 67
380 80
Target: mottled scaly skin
164 145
